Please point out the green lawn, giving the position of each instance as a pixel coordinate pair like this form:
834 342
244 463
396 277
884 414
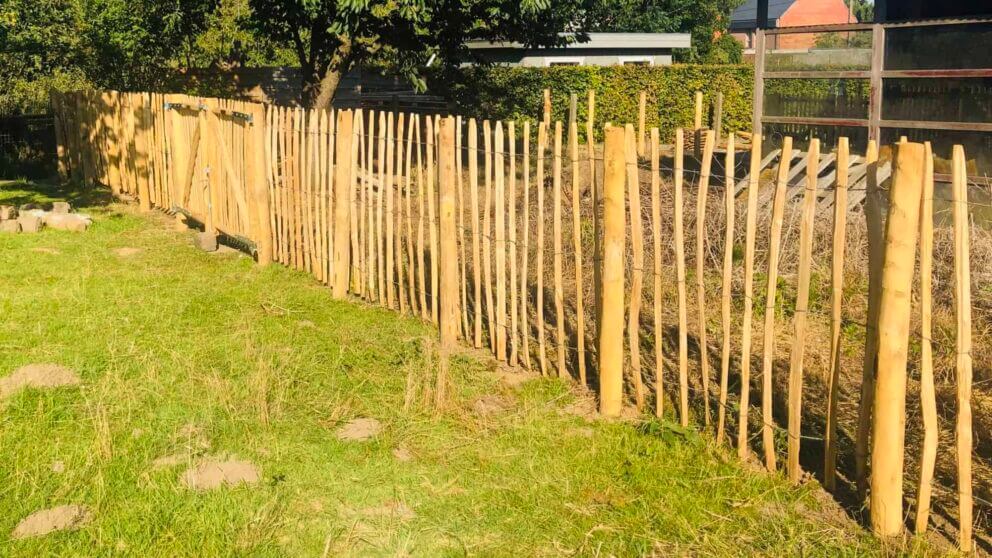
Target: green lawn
191 354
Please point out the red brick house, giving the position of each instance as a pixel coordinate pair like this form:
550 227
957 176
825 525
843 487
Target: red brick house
788 13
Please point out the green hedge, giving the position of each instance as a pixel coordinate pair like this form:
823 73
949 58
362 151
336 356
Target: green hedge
515 93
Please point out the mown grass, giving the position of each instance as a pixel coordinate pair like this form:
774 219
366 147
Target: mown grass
182 352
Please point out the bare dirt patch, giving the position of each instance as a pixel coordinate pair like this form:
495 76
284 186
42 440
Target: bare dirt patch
39 376
43 522
515 378
402 454
489 404
210 475
127 251
359 430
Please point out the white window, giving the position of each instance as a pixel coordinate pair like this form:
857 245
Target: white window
564 61
636 61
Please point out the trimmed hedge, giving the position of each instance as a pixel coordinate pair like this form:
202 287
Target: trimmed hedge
515 93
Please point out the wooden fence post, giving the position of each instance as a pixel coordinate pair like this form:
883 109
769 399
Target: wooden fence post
262 227
557 265
342 207
889 421
612 262
836 303
874 224
473 182
448 318
449 291
680 279
729 185
637 267
659 405
798 350
768 358
962 303
749 234
701 195
499 241
928 396
580 318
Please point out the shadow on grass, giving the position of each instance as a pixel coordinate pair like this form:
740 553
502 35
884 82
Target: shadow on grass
43 193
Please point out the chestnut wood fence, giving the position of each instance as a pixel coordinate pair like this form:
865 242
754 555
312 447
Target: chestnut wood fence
573 259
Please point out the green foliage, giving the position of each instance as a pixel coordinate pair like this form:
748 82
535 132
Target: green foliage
42 49
118 44
515 93
331 36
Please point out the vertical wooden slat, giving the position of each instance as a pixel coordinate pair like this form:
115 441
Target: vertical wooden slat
358 218
512 243
525 250
487 232
370 234
380 203
680 278
580 318
873 222
408 183
963 367
390 232
448 255
836 303
425 311
432 130
593 194
473 179
729 183
342 209
542 131
928 395
258 171
749 234
802 306
500 242
774 247
559 287
462 260
659 334
701 196
637 267
398 210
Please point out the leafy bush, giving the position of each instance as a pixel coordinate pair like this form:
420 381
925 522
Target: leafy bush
516 93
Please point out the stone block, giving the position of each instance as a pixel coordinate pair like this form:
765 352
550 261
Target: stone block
8 212
67 222
61 207
206 241
10 226
30 223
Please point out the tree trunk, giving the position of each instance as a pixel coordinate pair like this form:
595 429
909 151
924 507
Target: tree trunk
319 90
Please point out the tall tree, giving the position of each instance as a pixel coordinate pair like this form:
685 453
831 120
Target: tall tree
331 36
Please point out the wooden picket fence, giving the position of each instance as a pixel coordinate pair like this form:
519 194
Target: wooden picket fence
464 224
